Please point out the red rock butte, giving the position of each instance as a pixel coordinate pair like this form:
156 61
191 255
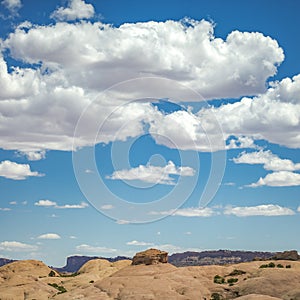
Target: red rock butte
150 257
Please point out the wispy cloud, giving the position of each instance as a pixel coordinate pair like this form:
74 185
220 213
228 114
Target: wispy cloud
94 249
13 246
12 5
107 207
259 210
139 243
153 174
49 236
49 203
15 171
188 212
5 209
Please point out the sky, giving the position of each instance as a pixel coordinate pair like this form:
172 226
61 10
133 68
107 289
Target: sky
126 125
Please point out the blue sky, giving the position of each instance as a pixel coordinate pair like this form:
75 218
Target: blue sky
169 124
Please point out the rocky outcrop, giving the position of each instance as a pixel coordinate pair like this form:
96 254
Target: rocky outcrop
150 257
287 255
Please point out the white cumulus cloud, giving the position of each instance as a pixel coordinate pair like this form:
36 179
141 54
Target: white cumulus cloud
77 9
46 203
15 171
281 178
259 210
269 161
153 174
49 236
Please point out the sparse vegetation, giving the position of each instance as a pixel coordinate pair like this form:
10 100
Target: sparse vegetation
219 279
92 281
60 288
272 265
288 266
69 275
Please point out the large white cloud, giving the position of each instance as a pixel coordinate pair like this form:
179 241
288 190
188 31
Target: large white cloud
77 9
15 171
98 55
79 60
273 116
153 174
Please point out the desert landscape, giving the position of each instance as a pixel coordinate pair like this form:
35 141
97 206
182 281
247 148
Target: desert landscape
150 276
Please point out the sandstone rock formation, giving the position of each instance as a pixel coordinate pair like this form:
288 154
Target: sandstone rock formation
150 257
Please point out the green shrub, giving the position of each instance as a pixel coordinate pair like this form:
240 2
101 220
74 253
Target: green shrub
219 280
279 266
52 274
232 280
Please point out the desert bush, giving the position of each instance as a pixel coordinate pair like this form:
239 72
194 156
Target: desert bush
263 266
219 280
288 266
279 266
271 265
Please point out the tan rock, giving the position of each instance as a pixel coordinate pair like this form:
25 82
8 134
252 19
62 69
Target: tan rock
150 257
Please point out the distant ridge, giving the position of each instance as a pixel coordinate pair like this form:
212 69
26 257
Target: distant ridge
74 263
189 258
216 257
5 261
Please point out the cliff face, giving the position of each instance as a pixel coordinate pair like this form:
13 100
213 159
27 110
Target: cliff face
150 257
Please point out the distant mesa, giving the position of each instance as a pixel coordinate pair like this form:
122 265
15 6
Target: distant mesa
150 257
287 255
